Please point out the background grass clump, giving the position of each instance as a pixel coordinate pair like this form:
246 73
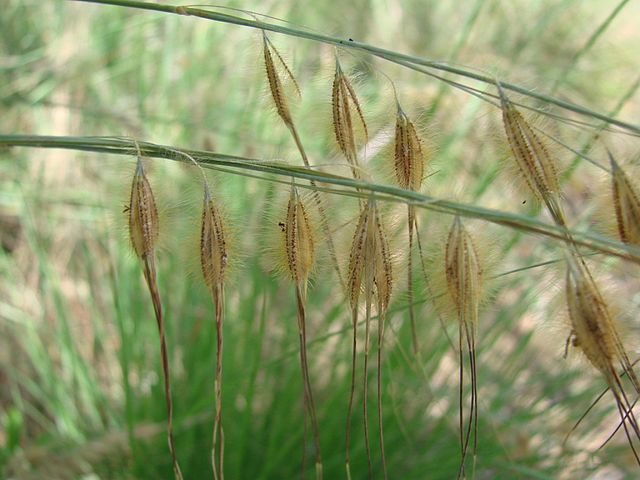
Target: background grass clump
81 393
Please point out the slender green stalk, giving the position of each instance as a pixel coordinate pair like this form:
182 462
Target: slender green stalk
124 146
395 57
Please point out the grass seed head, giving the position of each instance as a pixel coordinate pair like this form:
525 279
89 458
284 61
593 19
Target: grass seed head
409 161
463 272
591 324
299 239
275 81
344 102
532 157
627 205
370 256
213 243
143 215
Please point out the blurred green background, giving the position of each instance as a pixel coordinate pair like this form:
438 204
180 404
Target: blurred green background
80 384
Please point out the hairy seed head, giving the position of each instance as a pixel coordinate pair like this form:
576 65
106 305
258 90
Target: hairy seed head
532 157
409 158
463 272
627 205
343 99
299 237
593 329
143 215
213 246
370 258
275 82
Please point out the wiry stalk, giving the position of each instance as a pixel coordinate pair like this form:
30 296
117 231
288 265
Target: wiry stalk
143 231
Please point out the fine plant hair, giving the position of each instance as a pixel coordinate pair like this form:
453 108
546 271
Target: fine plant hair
299 240
626 203
464 277
280 100
370 269
344 103
213 259
143 231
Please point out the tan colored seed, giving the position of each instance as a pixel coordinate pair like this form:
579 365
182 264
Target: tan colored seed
463 272
299 238
370 257
409 158
275 82
213 246
143 215
532 158
343 99
627 205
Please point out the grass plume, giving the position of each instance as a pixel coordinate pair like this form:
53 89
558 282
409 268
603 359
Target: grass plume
143 232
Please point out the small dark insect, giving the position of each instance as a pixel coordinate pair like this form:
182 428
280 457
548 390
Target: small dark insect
281 225
351 39
523 202
126 208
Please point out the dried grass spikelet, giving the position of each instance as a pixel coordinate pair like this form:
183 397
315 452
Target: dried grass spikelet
370 259
213 261
143 232
143 215
344 102
594 333
299 238
409 160
464 275
626 203
532 158
213 244
370 270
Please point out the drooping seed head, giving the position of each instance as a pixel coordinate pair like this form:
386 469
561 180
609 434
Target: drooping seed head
591 323
627 205
532 157
143 215
275 82
370 258
213 243
299 238
409 158
343 99
463 272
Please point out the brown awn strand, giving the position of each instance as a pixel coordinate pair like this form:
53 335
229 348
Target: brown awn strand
143 232
300 249
464 275
213 260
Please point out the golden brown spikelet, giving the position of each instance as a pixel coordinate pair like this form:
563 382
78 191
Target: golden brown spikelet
626 203
463 272
409 161
275 82
370 258
213 245
532 158
299 237
143 215
343 100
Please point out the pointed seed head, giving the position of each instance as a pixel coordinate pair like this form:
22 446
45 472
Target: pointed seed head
213 244
143 215
299 237
627 205
408 158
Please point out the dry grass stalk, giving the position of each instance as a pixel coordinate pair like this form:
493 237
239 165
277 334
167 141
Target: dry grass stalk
282 107
464 276
626 203
213 260
532 158
143 232
409 167
343 102
370 269
593 331
300 248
